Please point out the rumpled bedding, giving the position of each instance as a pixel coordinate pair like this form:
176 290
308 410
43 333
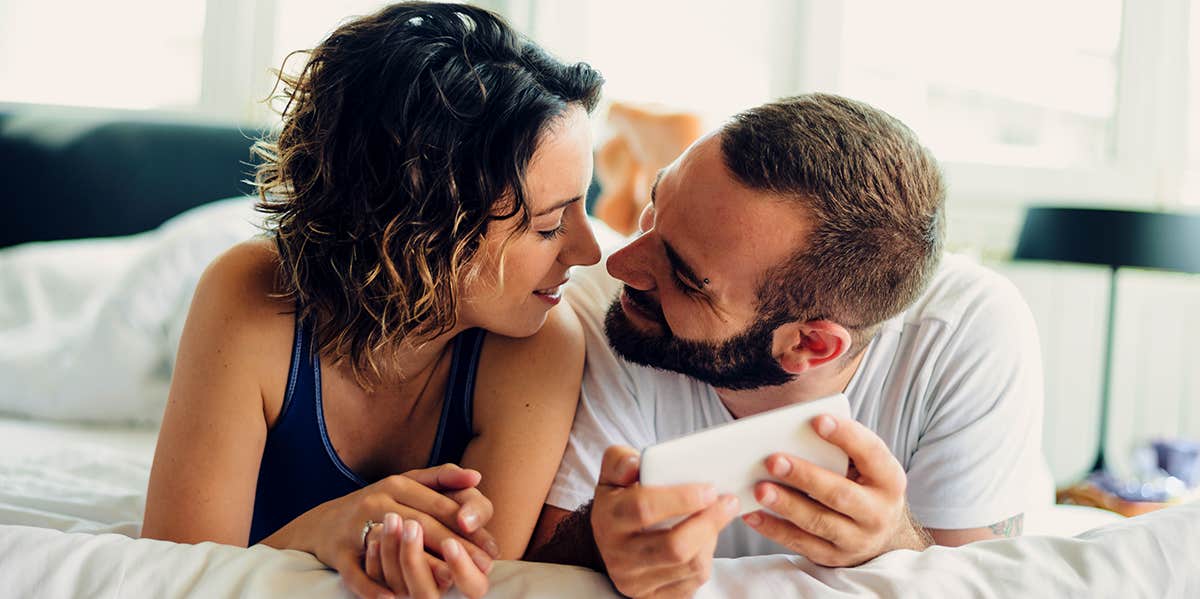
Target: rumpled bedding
71 500
89 328
1147 557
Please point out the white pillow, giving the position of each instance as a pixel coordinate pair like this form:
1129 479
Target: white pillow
89 328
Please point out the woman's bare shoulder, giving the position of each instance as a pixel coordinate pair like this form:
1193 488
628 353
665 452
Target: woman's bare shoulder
246 279
226 392
546 367
239 310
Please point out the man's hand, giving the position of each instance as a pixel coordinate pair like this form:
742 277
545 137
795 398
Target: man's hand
655 563
837 520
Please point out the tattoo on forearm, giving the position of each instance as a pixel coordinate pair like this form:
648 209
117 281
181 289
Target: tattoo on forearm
572 542
1013 527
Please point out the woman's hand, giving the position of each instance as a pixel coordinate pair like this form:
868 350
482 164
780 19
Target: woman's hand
397 558
441 502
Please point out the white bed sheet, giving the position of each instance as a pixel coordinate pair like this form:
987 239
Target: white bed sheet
59 477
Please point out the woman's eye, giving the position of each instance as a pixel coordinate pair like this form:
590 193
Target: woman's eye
554 233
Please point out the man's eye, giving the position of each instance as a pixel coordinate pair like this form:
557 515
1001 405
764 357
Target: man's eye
683 284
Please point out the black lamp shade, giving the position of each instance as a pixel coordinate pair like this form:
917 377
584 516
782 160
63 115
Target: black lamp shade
1114 238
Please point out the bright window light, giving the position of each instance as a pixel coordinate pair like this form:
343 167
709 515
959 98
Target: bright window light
1191 185
701 56
117 53
1020 82
302 24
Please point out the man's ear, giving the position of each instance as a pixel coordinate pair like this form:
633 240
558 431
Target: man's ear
799 346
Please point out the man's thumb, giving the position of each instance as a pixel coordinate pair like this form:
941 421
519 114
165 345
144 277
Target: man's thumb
620 466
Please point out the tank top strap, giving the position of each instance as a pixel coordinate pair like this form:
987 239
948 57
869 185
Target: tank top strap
299 469
456 428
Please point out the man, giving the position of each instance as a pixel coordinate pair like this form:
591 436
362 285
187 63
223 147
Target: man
792 254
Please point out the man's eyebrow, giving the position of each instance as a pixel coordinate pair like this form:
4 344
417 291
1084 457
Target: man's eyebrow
562 204
654 186
681 266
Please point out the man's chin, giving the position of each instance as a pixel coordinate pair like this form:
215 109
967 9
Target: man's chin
743 363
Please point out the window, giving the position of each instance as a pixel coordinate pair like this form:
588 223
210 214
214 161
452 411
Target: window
701 56
118 54
302 24
1021 82
1070 101
1190 194
1022 100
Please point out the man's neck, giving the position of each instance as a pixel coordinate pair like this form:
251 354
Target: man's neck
814 384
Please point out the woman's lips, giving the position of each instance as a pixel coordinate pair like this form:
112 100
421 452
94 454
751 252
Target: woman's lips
551 295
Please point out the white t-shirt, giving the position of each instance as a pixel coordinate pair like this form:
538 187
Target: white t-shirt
953 386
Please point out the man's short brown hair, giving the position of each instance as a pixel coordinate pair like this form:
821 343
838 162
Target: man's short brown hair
874 196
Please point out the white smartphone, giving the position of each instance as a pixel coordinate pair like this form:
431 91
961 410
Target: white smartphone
730 456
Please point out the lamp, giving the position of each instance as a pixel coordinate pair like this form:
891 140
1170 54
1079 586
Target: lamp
1116 239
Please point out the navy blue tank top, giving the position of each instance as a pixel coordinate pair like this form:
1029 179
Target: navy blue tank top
300 469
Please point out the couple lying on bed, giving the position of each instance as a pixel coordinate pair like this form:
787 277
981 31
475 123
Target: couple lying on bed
390 379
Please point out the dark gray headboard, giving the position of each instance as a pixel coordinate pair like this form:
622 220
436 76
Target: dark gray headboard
82 173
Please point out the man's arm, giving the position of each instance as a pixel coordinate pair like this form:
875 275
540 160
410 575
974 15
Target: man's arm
1011 527
565 537
618 528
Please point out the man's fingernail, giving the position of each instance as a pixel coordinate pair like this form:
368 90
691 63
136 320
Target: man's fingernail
769 496
411 530
491 547
628 464
390 523
826 425
729 503
780 466
708 495
753 519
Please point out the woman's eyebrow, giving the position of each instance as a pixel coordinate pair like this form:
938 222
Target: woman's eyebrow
562 204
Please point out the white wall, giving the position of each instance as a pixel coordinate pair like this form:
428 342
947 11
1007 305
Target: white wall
1155 384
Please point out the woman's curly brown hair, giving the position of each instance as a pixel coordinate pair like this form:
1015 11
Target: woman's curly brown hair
406 133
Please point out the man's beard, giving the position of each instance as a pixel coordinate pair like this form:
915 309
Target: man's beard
741 362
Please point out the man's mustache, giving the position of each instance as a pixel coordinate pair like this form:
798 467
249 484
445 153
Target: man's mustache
643 301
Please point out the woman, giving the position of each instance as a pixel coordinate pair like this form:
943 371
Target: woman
426 187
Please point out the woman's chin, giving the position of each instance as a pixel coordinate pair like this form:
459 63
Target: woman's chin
518 325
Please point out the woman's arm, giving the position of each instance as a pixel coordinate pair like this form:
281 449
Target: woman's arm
525 397
202 484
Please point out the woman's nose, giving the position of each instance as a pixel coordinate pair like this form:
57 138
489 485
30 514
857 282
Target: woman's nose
581 248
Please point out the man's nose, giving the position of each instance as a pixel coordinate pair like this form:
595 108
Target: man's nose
631 264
